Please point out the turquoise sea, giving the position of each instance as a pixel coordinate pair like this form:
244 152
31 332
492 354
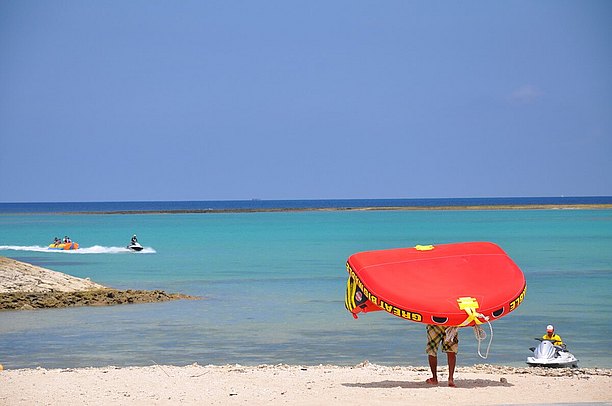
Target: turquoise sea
272 286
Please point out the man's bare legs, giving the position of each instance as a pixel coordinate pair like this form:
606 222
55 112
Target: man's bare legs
452 361
433 366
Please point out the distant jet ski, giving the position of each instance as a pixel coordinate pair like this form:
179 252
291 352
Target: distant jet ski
135 246
548 355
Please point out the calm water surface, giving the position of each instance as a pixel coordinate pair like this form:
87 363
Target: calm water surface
273 286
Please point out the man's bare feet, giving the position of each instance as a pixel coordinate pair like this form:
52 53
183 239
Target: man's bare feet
451 383
432 381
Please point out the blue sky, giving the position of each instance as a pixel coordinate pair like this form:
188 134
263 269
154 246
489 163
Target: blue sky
221 100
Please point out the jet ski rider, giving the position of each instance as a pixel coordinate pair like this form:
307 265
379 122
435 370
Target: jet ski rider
552 336
134 239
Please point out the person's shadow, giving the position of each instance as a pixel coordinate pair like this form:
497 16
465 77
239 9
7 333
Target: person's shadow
461 383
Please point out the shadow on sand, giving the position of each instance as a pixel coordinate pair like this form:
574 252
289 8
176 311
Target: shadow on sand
461 383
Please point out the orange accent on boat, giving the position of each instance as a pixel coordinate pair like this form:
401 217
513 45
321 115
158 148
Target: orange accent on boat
64 246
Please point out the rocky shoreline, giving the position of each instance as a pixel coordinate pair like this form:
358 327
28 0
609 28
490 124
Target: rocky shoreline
96 297
25 287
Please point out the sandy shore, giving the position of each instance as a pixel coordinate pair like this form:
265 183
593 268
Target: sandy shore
17 276
301 385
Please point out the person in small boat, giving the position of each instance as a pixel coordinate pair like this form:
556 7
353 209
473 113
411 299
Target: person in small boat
134 240
56 241
552 336
67 240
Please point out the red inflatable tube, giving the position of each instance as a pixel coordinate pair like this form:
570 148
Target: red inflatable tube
460 284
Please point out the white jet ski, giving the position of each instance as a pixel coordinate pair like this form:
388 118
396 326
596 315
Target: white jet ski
548 355
135 246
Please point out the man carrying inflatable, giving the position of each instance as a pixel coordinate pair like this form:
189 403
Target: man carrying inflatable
446 287
449 338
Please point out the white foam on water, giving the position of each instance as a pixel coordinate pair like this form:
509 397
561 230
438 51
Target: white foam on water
96 249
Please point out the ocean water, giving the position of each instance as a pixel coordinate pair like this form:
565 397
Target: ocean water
272 286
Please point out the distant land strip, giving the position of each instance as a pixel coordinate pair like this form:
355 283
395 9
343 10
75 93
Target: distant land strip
372 208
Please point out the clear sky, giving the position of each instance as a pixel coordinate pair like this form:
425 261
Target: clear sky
219 100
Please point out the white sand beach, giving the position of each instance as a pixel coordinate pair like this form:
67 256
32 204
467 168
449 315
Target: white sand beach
301 385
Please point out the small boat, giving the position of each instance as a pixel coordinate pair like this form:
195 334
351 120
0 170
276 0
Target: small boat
135 246
548 355
64 246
